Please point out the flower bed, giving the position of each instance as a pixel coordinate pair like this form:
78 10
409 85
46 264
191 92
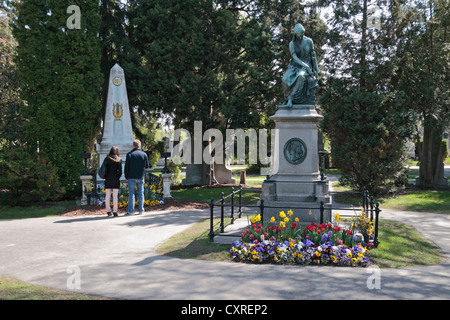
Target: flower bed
286 242
153 195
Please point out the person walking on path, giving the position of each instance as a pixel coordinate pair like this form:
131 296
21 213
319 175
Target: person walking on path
113 165
135 164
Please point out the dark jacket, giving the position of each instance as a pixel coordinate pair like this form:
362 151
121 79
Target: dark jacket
135 164
113 172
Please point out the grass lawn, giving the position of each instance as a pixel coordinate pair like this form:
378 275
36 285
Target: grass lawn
11 289
204 194
35 211
420 200
433 201
402 246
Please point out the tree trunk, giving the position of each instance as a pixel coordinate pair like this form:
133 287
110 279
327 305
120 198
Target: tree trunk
431 174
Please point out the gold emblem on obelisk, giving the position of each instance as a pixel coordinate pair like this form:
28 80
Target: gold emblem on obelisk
117 110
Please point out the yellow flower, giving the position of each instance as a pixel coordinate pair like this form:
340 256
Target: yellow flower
290 213
252 220
286 219
258 217
296 219
282 214
282 224
309 212
338 217
272 219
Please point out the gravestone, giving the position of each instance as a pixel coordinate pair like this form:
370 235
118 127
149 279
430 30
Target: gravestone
117 128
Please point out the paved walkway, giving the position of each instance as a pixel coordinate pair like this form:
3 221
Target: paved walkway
116 258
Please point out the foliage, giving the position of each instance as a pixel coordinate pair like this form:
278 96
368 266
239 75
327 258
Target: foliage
10 120
207 60
26 179
59 72
175 170
365 116
367 134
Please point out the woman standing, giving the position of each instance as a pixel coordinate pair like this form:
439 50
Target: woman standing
113 165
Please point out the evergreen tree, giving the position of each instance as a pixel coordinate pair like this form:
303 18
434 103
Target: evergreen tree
59 69
10 120
363 114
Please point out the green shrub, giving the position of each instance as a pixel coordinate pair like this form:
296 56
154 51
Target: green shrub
176 172
26 179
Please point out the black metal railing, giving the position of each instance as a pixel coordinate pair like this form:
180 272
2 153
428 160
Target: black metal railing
221 203
367 203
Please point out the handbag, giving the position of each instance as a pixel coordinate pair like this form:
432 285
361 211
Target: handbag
102 170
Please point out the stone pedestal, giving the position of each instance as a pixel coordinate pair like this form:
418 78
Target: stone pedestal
166 185
85 184
295 180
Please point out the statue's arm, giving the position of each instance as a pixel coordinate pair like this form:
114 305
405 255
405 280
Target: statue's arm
295 58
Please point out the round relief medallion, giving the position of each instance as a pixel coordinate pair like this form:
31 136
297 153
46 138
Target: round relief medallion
295 151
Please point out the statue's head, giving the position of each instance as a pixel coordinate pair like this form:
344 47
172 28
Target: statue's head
299 30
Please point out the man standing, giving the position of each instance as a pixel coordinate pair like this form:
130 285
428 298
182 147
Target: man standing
135 164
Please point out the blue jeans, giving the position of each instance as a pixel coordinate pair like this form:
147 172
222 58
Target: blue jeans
132 183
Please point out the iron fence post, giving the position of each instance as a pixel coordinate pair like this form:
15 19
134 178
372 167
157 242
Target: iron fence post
232 205
211 223
240 201
222 226
261 209
371 209
322 209
364 199
376 242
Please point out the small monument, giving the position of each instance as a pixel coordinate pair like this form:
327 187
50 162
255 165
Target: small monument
296 179
117 129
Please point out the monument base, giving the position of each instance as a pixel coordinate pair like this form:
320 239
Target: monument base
296 183
306 206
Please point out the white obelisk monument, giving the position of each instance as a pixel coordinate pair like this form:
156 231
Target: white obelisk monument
117 129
